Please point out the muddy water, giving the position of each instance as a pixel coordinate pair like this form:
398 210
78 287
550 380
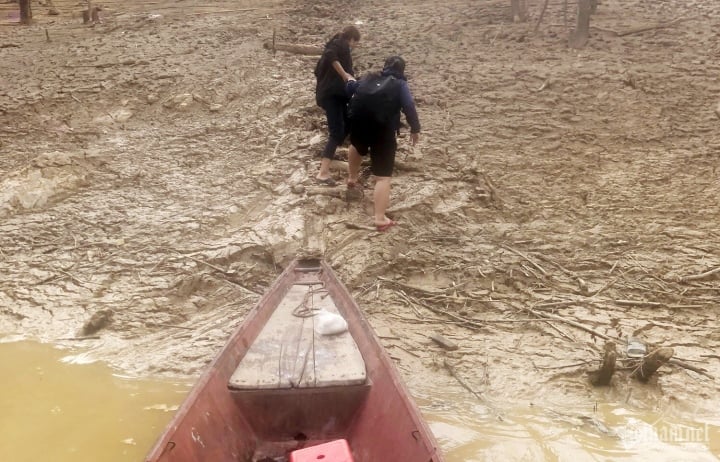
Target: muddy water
469 430
53 403
54 407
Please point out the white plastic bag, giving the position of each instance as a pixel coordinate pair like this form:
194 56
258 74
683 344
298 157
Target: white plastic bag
327 323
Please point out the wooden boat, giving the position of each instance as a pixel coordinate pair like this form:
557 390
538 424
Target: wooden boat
279 386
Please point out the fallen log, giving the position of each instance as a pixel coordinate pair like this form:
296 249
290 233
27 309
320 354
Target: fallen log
332 191
292 48
652 362
602 376
662 25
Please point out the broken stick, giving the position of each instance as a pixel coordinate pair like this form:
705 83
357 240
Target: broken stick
443 342
662 25
452 372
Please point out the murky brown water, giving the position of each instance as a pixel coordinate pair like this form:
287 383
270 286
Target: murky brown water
55 407
469 431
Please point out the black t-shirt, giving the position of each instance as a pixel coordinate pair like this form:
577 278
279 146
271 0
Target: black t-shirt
329 83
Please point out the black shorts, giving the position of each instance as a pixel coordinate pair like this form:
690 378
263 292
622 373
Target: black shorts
382 146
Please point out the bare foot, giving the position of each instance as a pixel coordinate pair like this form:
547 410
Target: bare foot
384 226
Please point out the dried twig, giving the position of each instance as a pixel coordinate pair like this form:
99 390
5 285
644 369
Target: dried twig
570 322
152 324
701 275
687 366
532 262
457 377
88 337
566 366
404 296
638 303
662 25
602 289
357 226
410 352
556 304
277 145
217 268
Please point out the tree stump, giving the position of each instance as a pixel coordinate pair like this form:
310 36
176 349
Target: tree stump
652 362
602 376
581 34
519 10
25 12
92 15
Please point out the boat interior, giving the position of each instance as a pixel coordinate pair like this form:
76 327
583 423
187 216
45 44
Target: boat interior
279 385
306 385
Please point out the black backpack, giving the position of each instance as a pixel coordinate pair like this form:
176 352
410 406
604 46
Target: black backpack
376 99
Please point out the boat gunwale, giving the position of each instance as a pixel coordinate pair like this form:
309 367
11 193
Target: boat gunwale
359 327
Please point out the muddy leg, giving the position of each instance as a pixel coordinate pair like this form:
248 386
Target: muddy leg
354 160
381 197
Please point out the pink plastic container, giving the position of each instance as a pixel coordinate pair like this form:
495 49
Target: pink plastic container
334 451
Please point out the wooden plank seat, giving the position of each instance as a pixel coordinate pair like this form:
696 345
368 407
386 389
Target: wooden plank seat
289 353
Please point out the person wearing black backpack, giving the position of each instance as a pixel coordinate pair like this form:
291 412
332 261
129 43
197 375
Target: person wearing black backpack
333 70
374 113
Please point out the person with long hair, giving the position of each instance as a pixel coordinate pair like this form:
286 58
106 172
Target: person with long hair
333 70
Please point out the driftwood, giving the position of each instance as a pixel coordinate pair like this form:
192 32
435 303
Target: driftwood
652 363
706 274
357 226
603 375
25 12
684 365
637 30
444 342
332 191
293 48
581 34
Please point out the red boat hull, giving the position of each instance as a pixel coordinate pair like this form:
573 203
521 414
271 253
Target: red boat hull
378 419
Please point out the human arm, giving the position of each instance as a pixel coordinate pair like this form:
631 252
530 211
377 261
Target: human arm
338 53
408 108
341 72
